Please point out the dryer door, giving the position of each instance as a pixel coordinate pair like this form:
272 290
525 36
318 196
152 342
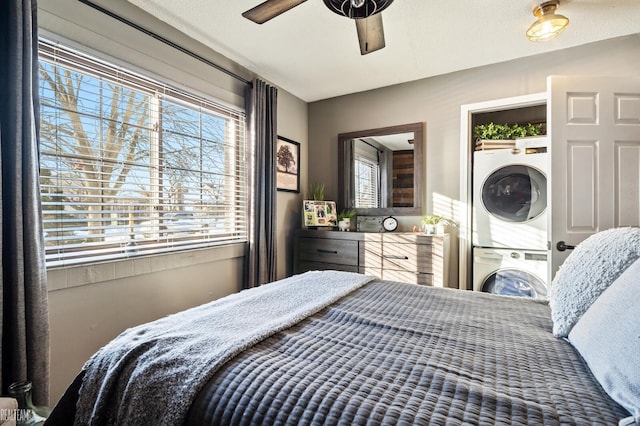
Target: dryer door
515 282
515 193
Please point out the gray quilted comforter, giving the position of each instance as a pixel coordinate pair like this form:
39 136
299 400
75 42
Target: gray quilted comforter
393 353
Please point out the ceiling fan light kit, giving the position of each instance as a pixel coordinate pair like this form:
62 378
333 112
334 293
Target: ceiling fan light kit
357 9
549 24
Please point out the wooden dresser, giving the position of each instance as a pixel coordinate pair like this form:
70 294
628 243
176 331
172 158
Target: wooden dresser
397 256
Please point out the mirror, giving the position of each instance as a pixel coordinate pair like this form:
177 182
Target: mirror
381 170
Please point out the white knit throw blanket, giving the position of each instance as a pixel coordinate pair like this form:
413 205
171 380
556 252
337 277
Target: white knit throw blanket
151 373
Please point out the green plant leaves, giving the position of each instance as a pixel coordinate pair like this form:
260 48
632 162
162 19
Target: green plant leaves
493 131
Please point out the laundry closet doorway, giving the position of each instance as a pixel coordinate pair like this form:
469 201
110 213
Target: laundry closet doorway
593 130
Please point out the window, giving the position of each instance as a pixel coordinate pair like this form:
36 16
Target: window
367 174
131 166
366 183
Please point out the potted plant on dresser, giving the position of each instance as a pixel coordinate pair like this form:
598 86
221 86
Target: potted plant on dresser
434 224
344 219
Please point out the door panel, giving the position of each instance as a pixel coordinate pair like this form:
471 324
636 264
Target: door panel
582 177
627 191
594 123
627 108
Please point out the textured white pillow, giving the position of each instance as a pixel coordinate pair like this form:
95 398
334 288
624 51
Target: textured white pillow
608 338
587 272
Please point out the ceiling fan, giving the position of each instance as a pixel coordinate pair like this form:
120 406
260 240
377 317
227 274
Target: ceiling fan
366 13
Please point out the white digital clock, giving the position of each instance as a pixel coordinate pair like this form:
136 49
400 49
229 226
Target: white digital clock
390 224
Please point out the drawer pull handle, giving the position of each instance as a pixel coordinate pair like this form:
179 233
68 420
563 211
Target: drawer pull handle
327 251
396 257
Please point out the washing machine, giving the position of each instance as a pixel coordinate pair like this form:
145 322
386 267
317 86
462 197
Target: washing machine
510 272
510 198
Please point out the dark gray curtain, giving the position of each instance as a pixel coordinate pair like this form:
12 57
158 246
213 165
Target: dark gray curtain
262 102
23 280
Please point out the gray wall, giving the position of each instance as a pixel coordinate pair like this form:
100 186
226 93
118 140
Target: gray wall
91 304
292 124
437 102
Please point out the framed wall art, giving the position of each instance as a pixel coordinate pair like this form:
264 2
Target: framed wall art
287 165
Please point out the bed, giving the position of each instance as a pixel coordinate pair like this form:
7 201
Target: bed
341 348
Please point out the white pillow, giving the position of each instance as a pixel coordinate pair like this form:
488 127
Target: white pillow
587 272
608 338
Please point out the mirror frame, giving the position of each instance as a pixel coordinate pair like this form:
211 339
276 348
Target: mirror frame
345 169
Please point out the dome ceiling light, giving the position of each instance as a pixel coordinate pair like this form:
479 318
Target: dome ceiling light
549 24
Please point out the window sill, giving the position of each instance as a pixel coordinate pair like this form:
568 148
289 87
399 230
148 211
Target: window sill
60 278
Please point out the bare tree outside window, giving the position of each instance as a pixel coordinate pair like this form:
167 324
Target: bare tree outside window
100 131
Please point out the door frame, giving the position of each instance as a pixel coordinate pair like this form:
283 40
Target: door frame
465 265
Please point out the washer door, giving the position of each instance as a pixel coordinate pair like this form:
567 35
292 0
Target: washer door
515 193
515 282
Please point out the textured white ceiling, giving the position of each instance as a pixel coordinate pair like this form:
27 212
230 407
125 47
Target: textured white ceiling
313 53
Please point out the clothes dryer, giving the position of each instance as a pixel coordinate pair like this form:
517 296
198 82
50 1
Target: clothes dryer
510 272
510 198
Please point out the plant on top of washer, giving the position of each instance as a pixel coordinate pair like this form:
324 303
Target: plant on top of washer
493 131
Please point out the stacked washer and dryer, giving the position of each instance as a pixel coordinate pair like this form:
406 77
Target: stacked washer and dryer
510 220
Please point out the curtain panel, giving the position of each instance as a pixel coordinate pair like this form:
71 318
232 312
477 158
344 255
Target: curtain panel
23 288
262 102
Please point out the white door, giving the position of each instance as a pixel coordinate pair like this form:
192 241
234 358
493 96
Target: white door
594 123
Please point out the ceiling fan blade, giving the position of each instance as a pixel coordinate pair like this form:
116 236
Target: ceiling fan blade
270 9
370 33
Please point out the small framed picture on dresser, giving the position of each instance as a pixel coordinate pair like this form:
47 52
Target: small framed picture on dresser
319 213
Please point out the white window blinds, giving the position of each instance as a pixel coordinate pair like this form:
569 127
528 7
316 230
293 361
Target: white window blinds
367 175
131 166
366 183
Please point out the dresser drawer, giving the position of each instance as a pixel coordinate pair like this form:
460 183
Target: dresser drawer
408 277
339 252
304 266
371 255
407 257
